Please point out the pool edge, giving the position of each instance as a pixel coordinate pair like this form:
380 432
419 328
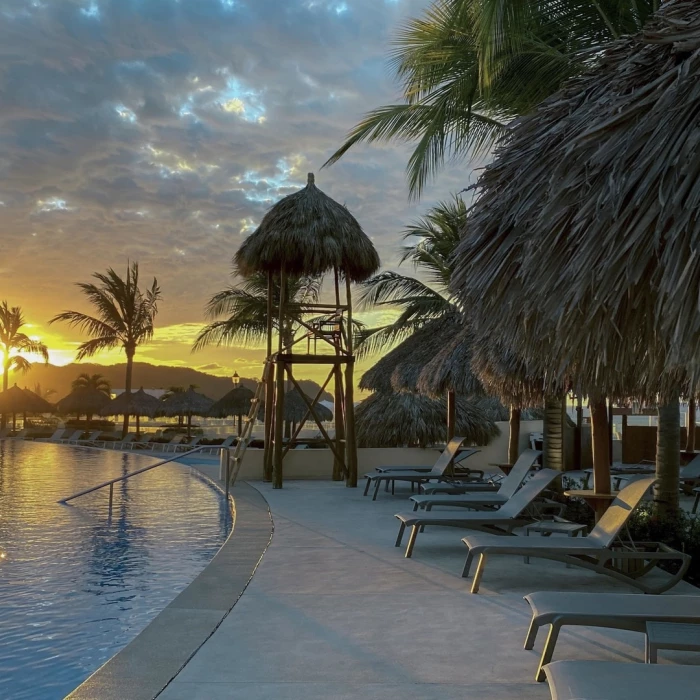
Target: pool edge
145 666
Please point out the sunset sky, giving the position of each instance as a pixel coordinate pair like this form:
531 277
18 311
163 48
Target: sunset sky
161 130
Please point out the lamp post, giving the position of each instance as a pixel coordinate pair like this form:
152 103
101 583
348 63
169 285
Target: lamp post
236 382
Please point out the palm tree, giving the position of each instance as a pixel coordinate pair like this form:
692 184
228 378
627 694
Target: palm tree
13 342
124 317
467 67
92 382
435 237
245 310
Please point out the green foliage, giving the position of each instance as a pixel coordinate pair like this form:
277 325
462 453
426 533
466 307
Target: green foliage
12 339
92 382
467 67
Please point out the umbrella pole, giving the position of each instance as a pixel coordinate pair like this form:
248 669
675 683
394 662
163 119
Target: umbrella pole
338 399
269 389
189 425
350 439
690 438
601 454
277 478
14 422
451 414
138 425
513 434
240 424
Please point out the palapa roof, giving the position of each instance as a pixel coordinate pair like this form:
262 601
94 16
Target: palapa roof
16 400
581 247
408 418
295 408
183 403
235 403
309 234
85 400
138 403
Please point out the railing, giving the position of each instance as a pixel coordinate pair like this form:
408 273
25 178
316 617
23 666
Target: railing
174 458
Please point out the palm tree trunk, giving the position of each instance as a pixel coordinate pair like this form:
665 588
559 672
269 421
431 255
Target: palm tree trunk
5 380
600 437
690 441
129 372
553 452
513 435
668 440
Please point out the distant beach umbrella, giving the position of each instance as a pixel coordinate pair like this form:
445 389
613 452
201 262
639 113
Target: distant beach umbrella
308 233
411 419
16 400
186 403
79 401
235 403
138 404
295 408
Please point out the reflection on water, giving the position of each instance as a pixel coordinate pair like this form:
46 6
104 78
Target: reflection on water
78 583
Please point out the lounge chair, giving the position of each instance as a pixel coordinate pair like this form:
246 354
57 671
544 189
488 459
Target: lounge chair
578 680
440 470
56 437
594 552
507 489
622 611
72 438
20 435
508 516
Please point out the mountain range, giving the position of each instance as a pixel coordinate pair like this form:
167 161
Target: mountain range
148 376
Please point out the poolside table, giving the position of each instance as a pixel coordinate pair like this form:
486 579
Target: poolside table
598 501
680 636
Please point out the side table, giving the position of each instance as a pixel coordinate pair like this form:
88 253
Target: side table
558 525
680 636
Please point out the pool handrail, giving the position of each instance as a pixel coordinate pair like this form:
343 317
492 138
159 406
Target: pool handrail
174 458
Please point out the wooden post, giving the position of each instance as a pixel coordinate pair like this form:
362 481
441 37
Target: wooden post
350 439
451 414
513 434
240 424
269 388
338 412
611 425
279 398
690 440
578 435
600 438
553 451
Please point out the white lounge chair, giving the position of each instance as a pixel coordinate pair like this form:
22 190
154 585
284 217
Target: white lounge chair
609 680
507 489
510 515
594 552
56 437
72 438
623 611
439 471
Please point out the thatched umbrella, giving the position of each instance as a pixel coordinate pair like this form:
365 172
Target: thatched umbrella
15 400
407 418
580 249
186 403
308 233
295 409
235 403
138 404
85 400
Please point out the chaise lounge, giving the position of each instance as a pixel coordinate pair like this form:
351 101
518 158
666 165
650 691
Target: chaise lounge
594 552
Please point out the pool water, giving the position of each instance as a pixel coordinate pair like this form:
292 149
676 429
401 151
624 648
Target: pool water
76 583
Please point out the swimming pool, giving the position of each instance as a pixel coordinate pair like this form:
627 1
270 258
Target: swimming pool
76 584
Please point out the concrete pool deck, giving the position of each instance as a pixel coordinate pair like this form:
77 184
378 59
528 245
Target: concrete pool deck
334 611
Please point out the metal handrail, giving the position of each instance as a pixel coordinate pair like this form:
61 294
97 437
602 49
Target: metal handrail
111 482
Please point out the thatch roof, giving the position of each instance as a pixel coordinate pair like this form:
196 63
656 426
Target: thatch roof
186 403
309 234
83 401
407 418
295 408
16 400
138 403
400 369
449 369
235 403
580 250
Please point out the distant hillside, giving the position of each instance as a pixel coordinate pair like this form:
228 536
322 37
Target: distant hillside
146 375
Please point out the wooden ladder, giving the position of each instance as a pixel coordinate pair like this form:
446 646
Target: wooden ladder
249 422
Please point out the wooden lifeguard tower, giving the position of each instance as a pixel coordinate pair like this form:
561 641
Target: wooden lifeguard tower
308 234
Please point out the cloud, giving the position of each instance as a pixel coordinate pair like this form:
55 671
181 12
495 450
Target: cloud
162 130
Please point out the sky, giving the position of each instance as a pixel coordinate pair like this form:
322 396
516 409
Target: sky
161 131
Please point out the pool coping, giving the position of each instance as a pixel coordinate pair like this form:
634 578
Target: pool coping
145 666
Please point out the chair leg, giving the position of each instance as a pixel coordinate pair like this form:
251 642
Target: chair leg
479 573
376 490
548 650
697 501
415 505
467 565
531 634
402 528
412 541
393 484
368 481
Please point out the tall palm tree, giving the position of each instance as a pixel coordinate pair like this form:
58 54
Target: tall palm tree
244 308
467 67
124 317
13 342
434 236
